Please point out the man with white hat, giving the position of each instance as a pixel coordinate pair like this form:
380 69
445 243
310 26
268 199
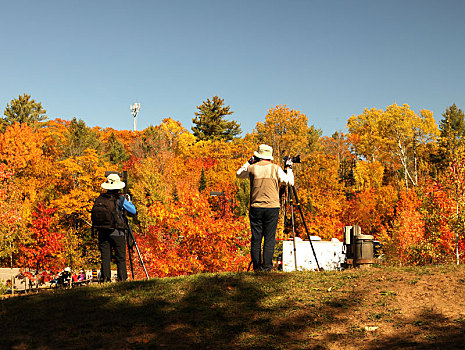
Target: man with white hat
107 218
265 178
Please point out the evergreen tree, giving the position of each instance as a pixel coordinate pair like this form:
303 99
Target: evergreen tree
79 138
242 197
202 181
115 150
23 110
452 132
209 123
175 194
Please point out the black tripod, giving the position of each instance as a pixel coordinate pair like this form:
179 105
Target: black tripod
131 242
291 193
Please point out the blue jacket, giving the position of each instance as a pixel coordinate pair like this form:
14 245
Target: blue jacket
129 207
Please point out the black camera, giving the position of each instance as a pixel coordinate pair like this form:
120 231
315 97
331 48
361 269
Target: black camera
294 160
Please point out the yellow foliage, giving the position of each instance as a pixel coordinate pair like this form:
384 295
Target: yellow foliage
178 137
368 175
285 130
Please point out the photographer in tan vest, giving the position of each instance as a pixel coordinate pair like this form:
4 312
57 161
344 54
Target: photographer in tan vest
265 177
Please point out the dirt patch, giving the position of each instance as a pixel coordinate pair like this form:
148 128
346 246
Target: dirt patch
393 308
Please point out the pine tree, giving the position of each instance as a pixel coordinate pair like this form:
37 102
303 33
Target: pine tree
79 138
23 110
115 150
202 181
209 123
452 128
175 194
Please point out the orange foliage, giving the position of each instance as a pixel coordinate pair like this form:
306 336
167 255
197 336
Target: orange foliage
20 147
409 227
188 237
10 215
126 137
372 210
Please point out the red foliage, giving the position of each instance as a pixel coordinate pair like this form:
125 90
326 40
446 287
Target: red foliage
188 237
41 249
421 232
372 209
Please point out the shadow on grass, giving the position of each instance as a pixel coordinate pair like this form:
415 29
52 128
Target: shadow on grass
204 311
227 311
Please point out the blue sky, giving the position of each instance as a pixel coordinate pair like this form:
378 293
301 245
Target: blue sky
328 59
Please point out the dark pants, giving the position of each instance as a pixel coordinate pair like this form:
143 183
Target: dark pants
263 224
116 240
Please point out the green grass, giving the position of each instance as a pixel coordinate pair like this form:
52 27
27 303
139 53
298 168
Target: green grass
302 310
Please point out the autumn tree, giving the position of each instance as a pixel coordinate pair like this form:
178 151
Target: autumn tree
210 122
286 131
23 110
20 147
452 182
365 134
373 209
321 195
176 138
186 237
170 137
338 146
43 247
408 231
127 138
149 187
11 219
53 135
397 136
148 143
21 151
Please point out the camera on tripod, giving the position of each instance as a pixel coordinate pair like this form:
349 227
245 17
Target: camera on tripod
288 161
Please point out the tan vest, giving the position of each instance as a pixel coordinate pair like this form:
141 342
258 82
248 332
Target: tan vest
264 185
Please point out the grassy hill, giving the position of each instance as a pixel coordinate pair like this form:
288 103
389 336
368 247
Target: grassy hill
371 308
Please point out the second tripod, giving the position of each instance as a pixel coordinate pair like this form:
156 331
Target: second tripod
291 194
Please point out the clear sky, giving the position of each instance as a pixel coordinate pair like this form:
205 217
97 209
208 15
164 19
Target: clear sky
329 59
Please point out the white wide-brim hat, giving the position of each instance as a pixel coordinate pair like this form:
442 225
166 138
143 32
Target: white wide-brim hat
113 183
264 152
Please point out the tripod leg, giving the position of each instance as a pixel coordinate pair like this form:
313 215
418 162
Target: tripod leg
130 236
130 256
293 229
140 258
305 225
